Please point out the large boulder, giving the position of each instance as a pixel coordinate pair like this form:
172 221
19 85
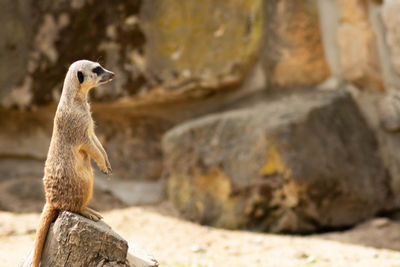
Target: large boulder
303 163
201 44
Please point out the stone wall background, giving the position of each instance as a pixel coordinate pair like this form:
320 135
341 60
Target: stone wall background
272 115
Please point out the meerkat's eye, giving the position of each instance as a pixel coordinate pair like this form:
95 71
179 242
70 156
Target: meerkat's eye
80 77
98 70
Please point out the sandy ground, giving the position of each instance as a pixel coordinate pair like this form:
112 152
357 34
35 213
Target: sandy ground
176 242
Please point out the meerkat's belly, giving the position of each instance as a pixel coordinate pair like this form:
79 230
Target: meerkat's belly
68 185
83 166
85 175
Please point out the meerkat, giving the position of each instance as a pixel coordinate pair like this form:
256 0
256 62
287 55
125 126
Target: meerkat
68 175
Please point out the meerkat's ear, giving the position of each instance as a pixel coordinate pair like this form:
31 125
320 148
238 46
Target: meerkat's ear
80 76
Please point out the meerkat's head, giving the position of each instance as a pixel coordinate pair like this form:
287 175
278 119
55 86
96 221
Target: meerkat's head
86 74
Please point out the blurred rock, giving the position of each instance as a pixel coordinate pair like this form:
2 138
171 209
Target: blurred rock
382 112
200 44
358 47
15 18
389 146
152 46
390 11
299 164
42 39
14 168
133 192
293 54
25 134
370 233
389 111
22 195
132 142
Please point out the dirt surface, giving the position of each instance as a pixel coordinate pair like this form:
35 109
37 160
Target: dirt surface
175 242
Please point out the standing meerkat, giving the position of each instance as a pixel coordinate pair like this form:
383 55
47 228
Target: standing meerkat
68 175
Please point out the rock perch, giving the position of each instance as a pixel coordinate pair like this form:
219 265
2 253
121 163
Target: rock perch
76 241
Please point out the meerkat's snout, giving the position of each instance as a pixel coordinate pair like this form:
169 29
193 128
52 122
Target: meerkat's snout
107 76
103 75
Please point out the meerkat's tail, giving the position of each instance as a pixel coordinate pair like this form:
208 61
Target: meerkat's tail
48 215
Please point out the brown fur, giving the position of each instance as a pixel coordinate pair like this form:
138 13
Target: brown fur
68 175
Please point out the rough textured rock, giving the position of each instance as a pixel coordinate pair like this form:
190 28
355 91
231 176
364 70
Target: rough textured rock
293 51
358 46
76 241
300 164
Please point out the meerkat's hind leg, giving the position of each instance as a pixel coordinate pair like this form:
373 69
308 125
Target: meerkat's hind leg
91 214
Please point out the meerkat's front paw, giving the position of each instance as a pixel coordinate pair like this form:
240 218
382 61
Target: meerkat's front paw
107 171
108 165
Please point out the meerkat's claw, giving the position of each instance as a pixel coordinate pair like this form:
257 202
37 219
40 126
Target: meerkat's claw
108 171
108 164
